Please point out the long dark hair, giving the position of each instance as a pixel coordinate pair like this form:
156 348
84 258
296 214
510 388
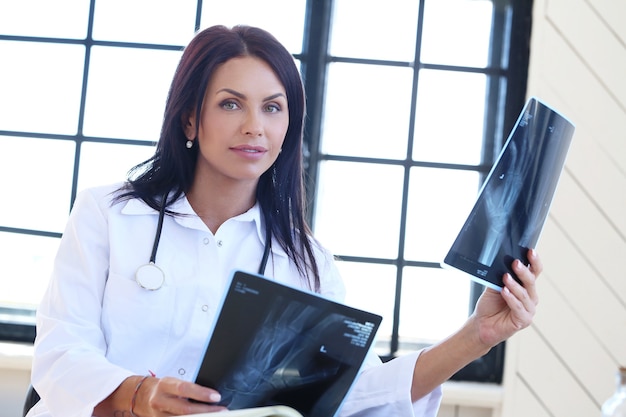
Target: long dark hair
280 190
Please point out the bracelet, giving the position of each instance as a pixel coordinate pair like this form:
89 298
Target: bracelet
134 398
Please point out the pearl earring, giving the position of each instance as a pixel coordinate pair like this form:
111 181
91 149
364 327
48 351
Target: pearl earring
189 144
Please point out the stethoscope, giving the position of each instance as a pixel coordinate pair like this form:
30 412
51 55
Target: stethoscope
151 277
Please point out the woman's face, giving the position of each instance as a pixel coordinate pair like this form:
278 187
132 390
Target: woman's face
243 122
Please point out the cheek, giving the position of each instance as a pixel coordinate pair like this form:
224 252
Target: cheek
213 135
279 133
278 145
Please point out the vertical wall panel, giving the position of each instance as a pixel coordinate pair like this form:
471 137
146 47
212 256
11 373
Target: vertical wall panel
550 379
564 365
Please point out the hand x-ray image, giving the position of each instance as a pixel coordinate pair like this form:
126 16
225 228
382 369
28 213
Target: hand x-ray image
277 345
514 201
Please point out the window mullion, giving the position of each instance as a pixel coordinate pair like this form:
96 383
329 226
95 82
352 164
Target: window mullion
83 99
395 332
314 67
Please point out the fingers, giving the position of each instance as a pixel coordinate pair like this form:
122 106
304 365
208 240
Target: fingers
171 396
189 390
536 266
520 302
523 299
528 274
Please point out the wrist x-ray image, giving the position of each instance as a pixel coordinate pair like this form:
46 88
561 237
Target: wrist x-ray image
273 344
515 198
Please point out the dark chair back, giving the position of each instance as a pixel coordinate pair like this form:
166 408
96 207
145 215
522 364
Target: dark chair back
31 399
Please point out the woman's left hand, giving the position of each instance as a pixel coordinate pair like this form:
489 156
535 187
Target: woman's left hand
499 315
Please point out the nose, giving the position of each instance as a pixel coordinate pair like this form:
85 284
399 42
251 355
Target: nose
253 125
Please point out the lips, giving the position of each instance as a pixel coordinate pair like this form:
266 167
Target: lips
249 152
249 149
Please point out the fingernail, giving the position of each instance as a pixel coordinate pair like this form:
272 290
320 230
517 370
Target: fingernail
215 397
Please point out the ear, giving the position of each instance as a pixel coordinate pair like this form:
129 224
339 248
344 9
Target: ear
188 121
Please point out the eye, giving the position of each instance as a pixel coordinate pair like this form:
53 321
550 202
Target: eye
272 108
229 105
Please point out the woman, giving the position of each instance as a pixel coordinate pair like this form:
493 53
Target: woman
226 185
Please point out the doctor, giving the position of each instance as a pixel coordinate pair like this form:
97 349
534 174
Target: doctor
142 265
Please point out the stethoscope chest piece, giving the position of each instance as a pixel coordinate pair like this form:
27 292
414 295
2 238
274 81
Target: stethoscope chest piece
150 277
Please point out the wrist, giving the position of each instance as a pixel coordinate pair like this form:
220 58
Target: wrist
118 402
133 399
437 363
474 339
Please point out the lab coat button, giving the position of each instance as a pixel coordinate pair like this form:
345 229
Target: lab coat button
206 241
219 243
205 308
181 371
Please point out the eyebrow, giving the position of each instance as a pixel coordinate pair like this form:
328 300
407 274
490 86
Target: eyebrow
238 94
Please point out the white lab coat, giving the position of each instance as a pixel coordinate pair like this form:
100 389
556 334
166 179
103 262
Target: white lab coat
96 326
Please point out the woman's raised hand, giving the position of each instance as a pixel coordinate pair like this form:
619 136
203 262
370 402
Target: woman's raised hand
499 315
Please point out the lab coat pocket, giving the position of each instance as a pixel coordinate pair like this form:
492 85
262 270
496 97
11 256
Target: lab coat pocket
135 319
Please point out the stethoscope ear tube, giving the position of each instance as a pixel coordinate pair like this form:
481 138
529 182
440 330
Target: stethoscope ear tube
157 236
267 248
150 276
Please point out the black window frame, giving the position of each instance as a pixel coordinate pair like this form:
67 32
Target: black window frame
508 68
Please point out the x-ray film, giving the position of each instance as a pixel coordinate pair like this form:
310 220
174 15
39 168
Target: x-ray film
277 345
515 198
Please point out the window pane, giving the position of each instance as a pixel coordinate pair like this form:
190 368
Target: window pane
370 121
435 303
126 92
43 192
372 287
358 208
457 32
45 18
439 201
145 21
25 268
282 18
105 163
41 85
450 116
374 29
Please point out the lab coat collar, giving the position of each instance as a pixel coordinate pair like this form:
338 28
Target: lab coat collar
254 214
190 219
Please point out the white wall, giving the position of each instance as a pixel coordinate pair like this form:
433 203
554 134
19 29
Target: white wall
14 377
564 365
13 385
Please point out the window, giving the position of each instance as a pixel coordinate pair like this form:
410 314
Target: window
408 104
417 99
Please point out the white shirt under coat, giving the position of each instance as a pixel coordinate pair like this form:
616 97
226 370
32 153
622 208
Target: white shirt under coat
96 326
